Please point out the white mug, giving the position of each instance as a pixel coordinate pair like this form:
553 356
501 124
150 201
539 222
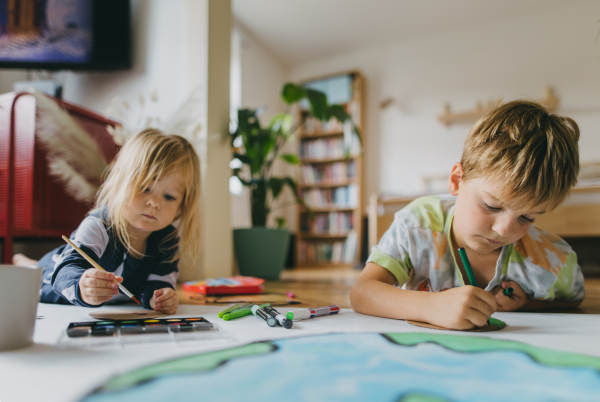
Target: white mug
19 296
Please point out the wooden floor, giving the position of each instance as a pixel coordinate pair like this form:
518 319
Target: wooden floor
326 286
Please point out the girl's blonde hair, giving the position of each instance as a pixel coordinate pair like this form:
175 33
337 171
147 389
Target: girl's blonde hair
533 151
147 157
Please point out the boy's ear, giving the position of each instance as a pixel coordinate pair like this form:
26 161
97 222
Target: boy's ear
455 178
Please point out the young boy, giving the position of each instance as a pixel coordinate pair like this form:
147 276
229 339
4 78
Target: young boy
518 162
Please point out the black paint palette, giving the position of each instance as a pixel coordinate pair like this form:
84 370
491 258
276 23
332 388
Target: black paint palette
114 328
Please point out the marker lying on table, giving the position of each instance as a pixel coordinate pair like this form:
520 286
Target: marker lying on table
241 312
259 312
97 266
312 312
281 319
468 269
228 309
233 308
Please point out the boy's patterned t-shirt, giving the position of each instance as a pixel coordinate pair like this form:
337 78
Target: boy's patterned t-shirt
417 249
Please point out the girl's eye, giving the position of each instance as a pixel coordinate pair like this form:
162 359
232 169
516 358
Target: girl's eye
146 189
491 208
525 219
169 198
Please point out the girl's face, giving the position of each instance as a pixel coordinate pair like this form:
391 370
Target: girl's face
483 220
156 206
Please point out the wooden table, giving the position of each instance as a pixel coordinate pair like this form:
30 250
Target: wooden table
323 287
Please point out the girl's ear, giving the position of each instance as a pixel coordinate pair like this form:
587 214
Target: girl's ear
455 178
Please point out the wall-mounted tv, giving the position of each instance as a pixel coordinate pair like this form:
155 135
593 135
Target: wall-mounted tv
65 34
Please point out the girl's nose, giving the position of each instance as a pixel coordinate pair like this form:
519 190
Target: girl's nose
153 202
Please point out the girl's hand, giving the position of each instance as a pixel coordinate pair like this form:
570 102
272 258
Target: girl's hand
165 300
509 303
97 287
464 307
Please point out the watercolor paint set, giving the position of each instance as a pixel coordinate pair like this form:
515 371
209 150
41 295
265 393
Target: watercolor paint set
114 332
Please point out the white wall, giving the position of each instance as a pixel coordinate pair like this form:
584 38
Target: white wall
514 58
261 78
158 62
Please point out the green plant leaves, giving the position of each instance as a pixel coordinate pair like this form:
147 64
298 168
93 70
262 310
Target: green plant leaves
292 93
243 158
340 114
318 104
281 122
261 146
276 185
292 159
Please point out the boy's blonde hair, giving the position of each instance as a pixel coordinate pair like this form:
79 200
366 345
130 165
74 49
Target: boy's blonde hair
149 156
533 151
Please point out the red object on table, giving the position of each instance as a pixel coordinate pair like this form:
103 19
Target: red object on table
34 204
232 285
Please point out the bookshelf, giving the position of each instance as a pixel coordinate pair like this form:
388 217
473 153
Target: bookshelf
331 179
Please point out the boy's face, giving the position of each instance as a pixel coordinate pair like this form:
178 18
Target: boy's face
483 220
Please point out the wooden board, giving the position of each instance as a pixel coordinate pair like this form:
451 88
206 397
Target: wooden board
125 314
494 325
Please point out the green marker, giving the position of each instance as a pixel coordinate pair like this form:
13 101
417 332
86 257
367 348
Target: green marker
220 315
232 315
465 260
508 291
467 264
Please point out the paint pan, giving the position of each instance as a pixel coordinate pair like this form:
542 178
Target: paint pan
132 327
79 331
138 327
105 330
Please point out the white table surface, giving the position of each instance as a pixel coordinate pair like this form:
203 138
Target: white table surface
48 373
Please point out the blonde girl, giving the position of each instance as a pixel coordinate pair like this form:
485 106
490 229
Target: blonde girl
146 216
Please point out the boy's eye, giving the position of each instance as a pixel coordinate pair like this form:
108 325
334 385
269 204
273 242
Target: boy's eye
525 219
491 208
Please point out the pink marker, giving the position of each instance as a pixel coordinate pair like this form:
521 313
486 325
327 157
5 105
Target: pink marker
290 295
312 312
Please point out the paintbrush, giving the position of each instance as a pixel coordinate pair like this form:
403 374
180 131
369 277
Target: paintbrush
97 266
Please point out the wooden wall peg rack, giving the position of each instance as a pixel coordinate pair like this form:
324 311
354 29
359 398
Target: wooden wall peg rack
551 101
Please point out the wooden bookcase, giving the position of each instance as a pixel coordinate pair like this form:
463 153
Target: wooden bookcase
331 182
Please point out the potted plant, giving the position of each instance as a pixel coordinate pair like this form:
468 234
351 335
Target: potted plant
261 251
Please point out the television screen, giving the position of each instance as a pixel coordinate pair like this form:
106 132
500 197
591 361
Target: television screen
65 34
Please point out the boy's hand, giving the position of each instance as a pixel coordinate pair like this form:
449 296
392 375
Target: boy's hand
465 307
97 287
165 300
509 303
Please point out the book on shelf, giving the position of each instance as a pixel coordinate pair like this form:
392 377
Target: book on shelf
337 252
329 148
337 197
350 247
334 173
329 252
313 126
334 223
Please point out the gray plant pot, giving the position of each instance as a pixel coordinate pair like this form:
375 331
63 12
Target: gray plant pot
261 252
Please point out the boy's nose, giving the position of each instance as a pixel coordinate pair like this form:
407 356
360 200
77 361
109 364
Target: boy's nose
503 226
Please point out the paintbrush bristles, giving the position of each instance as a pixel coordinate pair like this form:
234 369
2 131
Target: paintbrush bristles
97 266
